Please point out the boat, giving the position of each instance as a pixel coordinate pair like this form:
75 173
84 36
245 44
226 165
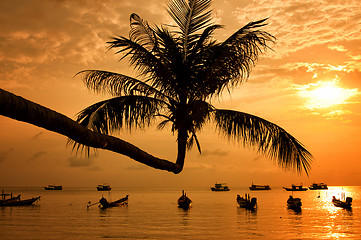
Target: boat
219 187
54 187
259 187
318 186
247 202
296 188
184 201
342 204
16 201
103 187
294 203
105 204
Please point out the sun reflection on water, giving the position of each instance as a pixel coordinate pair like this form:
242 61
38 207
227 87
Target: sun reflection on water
340 220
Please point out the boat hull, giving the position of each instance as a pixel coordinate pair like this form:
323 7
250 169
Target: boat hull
294 204
295 189
54 188
18 202
342 204
247 204
105 204
259 187
104 188
220 189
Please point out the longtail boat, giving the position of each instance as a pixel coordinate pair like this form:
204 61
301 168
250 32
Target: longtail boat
342 204
247 202
105 204
15 201
294 203
184 201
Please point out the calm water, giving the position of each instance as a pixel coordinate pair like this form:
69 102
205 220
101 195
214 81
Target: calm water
153 214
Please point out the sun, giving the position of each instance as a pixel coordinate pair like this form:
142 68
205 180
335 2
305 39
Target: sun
324 94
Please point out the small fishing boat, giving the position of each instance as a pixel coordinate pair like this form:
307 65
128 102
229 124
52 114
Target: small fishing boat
247 202
342 204
318 186
15 201
184 201
220 187
296 188
54 187
103 187
254 187
105 204
294 203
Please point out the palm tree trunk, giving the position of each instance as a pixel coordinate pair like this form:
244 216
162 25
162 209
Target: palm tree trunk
23 110
182 149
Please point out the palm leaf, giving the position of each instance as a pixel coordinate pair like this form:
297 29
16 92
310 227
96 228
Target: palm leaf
267 137
190 17
142 33
120 112
117 84
231 61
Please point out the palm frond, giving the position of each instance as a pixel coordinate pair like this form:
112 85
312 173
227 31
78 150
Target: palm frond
191 141
152 65
267 137
231 61
120 112
142 33
116 84
190 16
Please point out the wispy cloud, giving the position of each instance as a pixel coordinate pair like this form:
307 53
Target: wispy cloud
299 24
216 152
4 154
82 161
36 136
36 156
137 167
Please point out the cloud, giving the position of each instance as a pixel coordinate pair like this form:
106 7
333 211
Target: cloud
339 48
137 167
5 154
36 136
216 152
36 156
198 165
299 24
82 161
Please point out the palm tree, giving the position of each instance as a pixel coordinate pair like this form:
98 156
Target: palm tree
181 69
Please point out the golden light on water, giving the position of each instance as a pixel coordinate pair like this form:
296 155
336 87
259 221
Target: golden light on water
324 94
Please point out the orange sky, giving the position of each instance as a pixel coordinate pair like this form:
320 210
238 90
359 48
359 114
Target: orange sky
309 85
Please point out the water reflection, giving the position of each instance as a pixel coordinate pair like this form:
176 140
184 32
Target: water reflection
185 216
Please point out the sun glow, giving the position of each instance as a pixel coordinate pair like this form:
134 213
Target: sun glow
324 94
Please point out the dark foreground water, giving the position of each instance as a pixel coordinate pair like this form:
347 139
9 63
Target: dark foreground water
153 214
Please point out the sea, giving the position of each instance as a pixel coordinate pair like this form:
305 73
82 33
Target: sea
152 213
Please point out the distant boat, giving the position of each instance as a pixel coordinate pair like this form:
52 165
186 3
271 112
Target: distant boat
296 188
103 187
54 187
259 187
220 187
15 201
247 202
184 201
318 186
294 203
342 204
105 204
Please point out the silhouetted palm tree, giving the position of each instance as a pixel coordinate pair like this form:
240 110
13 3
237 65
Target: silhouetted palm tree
181 68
